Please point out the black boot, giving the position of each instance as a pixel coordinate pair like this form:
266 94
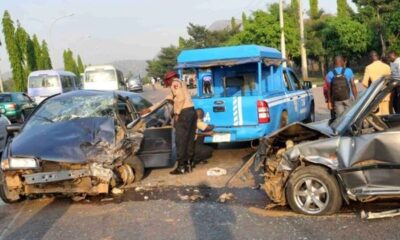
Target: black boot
179 170
189 166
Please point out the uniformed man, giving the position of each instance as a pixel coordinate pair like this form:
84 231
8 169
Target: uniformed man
375 71
184 122
202 151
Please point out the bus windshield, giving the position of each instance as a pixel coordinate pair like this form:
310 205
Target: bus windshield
45 81
100 75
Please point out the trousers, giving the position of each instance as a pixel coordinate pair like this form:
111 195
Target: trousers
185 131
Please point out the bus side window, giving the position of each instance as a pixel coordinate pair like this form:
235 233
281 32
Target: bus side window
287 81
296 82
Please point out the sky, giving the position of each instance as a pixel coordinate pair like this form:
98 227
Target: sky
102 31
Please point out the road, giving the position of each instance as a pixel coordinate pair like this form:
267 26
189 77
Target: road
187 207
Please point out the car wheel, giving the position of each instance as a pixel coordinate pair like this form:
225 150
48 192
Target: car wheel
284 119
312 190
311 115
137 166
4 192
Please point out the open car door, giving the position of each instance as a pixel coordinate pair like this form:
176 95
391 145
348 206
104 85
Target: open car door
158 145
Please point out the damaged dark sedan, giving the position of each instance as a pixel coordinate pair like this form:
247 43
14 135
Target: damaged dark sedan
84 143
316 167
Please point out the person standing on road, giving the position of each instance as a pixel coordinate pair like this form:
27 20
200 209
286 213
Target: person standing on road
395 71
207 79
184 122
375 71
202 151
153 83
341 87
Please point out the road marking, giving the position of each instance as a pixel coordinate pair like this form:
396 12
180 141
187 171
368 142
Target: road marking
9 225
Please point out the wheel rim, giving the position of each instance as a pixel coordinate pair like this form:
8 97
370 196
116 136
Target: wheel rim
311 195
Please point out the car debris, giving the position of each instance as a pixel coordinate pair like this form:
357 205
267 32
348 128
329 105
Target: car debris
315 167
377 215
225 197
216 172
83 143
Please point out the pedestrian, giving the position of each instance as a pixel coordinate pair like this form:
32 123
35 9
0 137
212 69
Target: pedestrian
153 83
184 122
202 151
207 79
341 87
394 60
375 71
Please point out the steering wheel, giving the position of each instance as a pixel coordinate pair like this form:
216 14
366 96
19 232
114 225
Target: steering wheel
376 123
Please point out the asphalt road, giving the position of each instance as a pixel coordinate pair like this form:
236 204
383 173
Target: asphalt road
160 209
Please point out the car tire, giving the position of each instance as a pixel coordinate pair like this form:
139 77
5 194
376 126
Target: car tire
4 191
137 166
284 119
313 191
311 115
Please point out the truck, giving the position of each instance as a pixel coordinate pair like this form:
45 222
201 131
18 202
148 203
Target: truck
252 95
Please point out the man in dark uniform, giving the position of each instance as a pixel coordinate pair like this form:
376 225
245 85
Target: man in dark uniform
184 122
202 152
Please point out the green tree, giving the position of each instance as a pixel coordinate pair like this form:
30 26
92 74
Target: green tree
314 10
14 52
165 61
263 28
81 66
27 52
38 52
46 61
69 62
342 8
295 7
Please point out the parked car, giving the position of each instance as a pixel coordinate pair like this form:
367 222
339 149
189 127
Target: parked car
315 167
252 96
84 142
17 105
134 85
45 83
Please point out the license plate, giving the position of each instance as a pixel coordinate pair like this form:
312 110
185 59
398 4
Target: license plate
222 137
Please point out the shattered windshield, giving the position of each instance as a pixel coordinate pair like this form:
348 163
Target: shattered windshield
65 109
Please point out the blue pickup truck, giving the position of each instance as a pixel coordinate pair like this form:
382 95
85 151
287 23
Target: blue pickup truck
252 94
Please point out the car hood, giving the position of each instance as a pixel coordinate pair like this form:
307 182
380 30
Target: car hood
73 141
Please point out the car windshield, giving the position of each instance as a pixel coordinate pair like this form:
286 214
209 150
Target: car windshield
5 98
343 120
100 75
44 81
65 109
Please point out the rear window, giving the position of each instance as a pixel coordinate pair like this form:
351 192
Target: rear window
44 81
140 103
5 98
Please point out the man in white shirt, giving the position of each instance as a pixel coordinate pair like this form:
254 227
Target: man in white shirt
395 69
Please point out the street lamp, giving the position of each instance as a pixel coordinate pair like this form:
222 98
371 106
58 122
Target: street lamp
53 23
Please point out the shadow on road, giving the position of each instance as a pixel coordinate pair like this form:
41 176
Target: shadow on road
47 217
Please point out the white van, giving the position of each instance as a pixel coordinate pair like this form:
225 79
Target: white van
105 77
45 83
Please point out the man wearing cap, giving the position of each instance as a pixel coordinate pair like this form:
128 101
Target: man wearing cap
184 122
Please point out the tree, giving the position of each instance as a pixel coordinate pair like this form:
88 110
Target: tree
165 61
69 62
13 51
27 52
81 66
314 10
38 52
46 61
342 8
263 28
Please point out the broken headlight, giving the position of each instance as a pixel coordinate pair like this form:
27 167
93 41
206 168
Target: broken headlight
19 163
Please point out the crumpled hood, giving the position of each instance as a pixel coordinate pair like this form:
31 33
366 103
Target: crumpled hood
70 141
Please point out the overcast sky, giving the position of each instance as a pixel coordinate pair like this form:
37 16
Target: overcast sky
102 31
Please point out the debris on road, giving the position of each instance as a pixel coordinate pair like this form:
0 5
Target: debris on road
191 198
377 215
225 197
216 172
117 191
106 199
146 198
78 198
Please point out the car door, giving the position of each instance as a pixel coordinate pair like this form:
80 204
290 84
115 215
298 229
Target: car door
372 163
292 100
301 97
158 145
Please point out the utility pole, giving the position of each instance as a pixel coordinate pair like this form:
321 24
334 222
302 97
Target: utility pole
304 67
283 45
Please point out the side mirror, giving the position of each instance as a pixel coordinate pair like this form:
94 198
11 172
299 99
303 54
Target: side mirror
13 128
307 85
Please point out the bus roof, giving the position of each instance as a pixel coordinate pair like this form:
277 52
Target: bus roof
106 67
51 72
231 55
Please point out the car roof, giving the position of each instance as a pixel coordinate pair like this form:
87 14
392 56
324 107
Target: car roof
51 72
231 53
